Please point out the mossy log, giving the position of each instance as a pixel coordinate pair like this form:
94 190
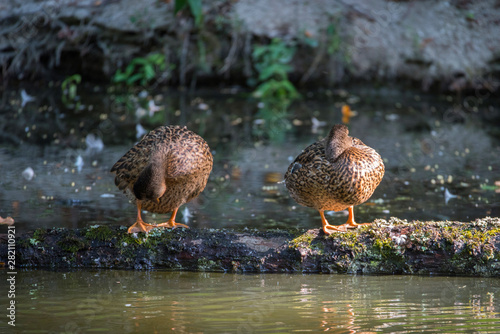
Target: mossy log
385 247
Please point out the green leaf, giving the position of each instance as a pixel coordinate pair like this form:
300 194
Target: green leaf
330 30
196 10
77 78
149 72
484 186
278 71
286 56
179 5
266 90
119 76
157 58
134 78
72 91
258 51
292 92
139 61
129 69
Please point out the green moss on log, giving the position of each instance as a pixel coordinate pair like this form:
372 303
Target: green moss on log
99 232
72 244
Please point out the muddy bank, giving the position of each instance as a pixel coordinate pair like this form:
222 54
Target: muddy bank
386 247
451 45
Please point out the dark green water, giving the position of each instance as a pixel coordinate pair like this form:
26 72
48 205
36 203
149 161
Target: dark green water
162 302
430 145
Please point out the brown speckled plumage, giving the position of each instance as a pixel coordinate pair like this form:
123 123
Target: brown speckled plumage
335 173
167 168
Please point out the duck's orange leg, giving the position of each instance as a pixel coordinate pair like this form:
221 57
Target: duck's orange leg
171 222
140 225
350 220
329 229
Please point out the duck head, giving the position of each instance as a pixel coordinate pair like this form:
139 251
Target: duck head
150 184
337 142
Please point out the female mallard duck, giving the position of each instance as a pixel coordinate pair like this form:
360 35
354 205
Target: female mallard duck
335 173
167 168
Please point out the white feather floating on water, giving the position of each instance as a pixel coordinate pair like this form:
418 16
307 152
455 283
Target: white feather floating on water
316 124
28 173
391 117
79 163
139 131
25 98
152 108
203 106
448 195
140 112
186 215
94 144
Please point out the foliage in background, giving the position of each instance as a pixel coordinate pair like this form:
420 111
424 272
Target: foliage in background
69 91
142 70
336 48
333 38
195 8
272 62
274 90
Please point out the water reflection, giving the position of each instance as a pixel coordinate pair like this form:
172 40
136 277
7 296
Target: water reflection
157 301
427 156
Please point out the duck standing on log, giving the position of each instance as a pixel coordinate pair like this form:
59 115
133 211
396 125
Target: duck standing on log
335 173
167 168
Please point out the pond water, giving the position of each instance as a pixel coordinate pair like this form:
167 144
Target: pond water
441 153
181 302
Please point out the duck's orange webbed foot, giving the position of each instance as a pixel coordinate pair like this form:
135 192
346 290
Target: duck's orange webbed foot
140 226
350 220
171 222
329 229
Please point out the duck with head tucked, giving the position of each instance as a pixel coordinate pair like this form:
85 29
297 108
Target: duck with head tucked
335 173
167 168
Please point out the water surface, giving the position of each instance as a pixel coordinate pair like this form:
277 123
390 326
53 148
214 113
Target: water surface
158 301
441 156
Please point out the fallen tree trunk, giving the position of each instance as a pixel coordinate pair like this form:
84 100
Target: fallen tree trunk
385 247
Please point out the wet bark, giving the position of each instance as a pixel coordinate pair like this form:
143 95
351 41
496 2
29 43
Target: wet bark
386 247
